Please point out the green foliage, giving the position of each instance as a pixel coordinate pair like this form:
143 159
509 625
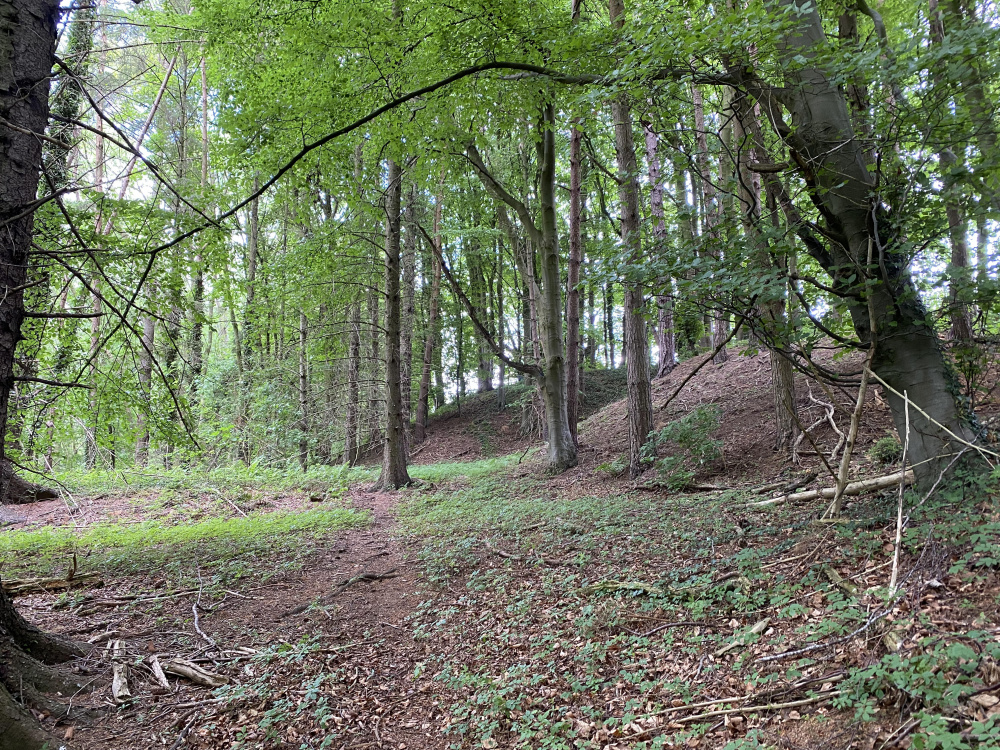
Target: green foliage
689 328
886 450
691 445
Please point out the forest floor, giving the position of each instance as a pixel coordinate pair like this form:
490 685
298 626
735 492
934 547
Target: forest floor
495 606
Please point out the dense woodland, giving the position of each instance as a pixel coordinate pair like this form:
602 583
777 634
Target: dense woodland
288 233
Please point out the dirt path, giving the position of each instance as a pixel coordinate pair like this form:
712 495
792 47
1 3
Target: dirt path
347 674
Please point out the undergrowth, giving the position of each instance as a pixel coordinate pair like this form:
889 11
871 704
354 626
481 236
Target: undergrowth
561 646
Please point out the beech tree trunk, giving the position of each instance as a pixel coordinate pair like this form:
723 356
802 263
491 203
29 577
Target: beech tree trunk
409 261
303 393
394 474
353 376
908 355
573 278
420 428
960 280
561 445
640 399
27 48
665 340
710 217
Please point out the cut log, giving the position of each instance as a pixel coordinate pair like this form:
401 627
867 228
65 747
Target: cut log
854 488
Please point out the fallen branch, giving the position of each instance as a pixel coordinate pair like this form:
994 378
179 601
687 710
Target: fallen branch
15 586
786 488
854 488
757 709
668 625
157 670
391 573
119 670
741 640
709 358
194 673
613 586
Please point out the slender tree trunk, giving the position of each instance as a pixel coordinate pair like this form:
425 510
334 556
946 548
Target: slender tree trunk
609 325
960 281
591 319
409 309
394 474
353 376
198 302
420 428
640 399
749 147
145 382
561 445
573 277
710 216
666 348
303 393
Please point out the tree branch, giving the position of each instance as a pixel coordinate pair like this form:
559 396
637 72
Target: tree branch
495 189
532 370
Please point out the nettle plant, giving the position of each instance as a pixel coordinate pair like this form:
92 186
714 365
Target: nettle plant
689 443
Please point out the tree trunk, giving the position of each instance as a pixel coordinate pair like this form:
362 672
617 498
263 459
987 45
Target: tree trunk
909 356
394 474
353 376
145 381
710 216
373 360
749 147
561 445
640 399
198 301
409 309
665 343
420 428
573 278
28 34
303 393
960 276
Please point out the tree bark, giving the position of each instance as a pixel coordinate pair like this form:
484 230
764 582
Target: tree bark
353 376
960 281
561 446
573 277
409 310
394 474
710 217
303 393
834 163
145 382
420 428
27 49
640 399
665 342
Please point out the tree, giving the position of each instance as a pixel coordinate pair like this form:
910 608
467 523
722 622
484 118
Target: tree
864 259
640 399
394 473
27 50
